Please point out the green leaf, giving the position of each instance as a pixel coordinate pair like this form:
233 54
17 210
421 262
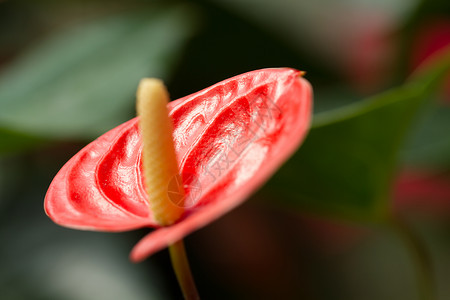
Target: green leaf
81 82
11 141
348 161
429 147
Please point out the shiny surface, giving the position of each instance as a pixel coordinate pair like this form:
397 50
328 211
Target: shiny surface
229 139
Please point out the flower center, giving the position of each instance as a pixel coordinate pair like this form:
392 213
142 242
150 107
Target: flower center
158 152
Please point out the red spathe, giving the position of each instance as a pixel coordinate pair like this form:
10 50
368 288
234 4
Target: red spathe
229 139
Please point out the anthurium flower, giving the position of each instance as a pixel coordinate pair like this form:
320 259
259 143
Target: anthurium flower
229 139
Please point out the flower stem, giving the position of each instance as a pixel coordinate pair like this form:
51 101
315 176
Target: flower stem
182 271
421 257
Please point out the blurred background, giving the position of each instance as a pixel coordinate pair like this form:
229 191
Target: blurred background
68 73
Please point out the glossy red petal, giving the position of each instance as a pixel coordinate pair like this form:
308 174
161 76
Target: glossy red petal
229 139
260 159
98 188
